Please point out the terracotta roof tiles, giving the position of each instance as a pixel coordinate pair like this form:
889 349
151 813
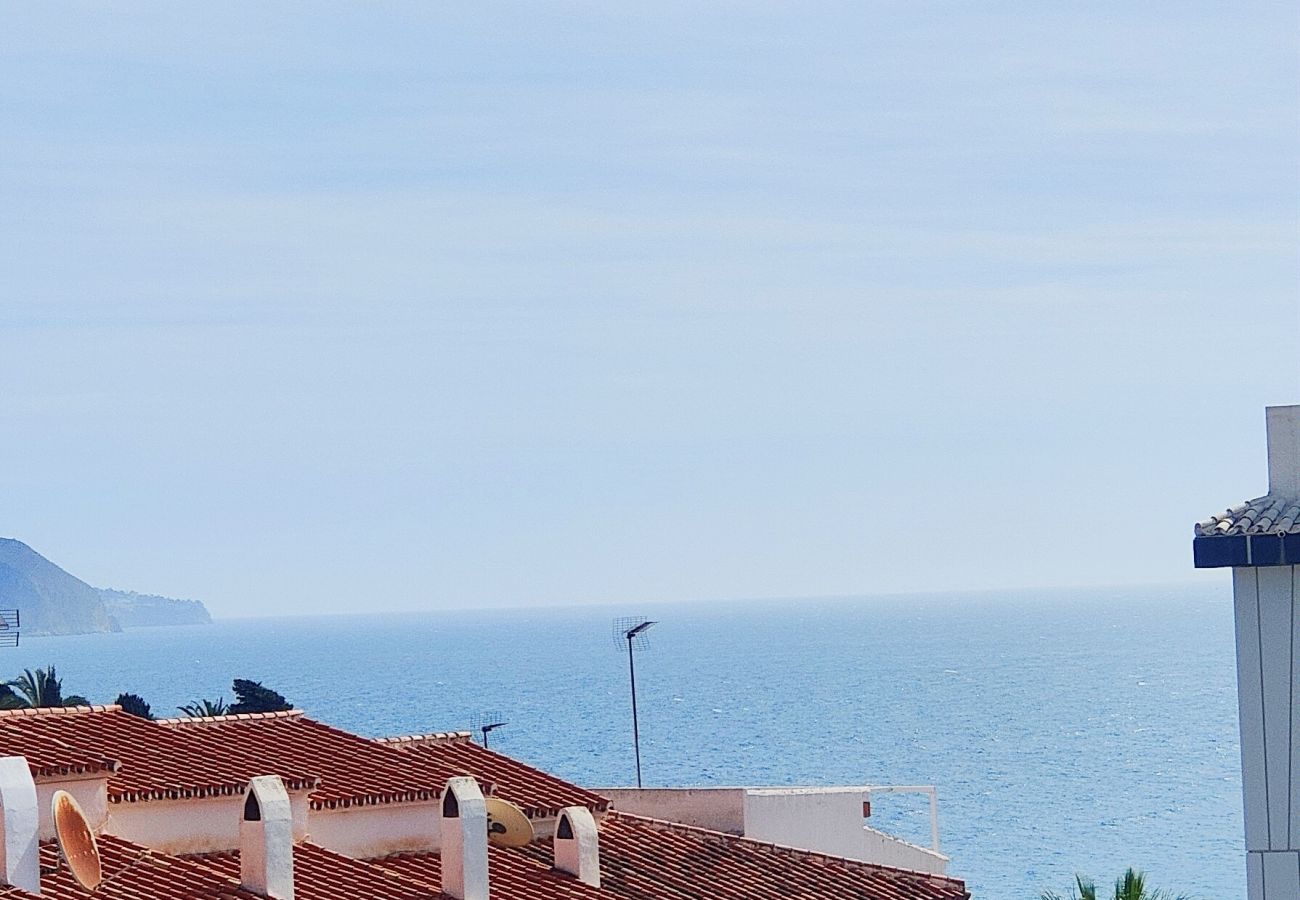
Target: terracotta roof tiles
143 760
132 872
511 875
646 859
320 874
352 770
641 859
538 793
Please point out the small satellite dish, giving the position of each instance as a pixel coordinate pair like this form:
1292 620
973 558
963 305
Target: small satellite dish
507 824
76 840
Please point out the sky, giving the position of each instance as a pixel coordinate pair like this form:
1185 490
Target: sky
330 308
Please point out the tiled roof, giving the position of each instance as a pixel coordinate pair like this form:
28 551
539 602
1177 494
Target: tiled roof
1263 515
132 872
641 859
644 859
320 874
174 758
538 793
143 760
511 876
352 770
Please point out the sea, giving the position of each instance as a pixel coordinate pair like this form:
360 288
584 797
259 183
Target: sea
1067 732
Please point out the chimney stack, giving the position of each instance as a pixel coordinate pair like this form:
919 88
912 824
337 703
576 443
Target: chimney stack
266 840
1283 426
577 845
464 840
20 821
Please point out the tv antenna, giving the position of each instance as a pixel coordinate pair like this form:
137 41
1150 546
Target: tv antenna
9 624
489 722
632 630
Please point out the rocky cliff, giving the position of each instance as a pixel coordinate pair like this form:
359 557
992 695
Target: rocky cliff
52 601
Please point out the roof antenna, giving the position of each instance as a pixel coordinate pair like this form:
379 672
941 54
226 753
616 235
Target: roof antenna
632 629
489 722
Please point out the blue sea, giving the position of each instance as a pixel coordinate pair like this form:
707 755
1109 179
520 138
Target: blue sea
1080 731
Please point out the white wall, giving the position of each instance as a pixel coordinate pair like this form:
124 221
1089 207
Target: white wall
1267 610
210 824
718 809
829 820
202 825
888 850
362 832
90 793
825 820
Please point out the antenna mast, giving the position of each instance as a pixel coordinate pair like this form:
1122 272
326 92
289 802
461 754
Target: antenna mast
632 630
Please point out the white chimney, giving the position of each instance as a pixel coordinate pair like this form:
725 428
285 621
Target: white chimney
577 845
266 840
20 820
464 840
1283 425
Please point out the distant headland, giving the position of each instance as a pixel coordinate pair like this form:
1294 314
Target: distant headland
52 601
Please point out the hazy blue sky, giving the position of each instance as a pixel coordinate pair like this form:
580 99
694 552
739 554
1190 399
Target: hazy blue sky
392 306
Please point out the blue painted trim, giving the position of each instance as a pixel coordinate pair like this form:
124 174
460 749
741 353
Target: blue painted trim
1220 552
1246 550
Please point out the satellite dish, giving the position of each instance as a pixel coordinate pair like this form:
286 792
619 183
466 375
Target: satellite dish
507 824
76 840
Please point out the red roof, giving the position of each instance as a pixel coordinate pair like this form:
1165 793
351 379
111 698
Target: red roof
320 874
646 859
511 876
144 760
538 793
641 859
352 770
174 758
132 872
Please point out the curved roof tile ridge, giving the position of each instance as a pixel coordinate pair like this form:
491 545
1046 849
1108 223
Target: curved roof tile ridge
417 740
175 721
58 710
1268 514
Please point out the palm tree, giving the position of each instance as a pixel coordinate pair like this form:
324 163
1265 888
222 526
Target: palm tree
38 689
203 708
1132 885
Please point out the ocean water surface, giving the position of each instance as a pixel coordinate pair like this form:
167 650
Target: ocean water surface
1067 732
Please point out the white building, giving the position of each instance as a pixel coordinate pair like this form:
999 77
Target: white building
1260 541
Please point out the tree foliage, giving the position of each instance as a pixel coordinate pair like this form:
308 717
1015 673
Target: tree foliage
252 697
37 688
135 705
200 709
1129 886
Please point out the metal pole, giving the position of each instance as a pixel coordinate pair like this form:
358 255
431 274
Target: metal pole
636 732
485 742
934 820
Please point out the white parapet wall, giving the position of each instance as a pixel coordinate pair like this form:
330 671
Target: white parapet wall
202 825
825 820
91 795
714 808
363 832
